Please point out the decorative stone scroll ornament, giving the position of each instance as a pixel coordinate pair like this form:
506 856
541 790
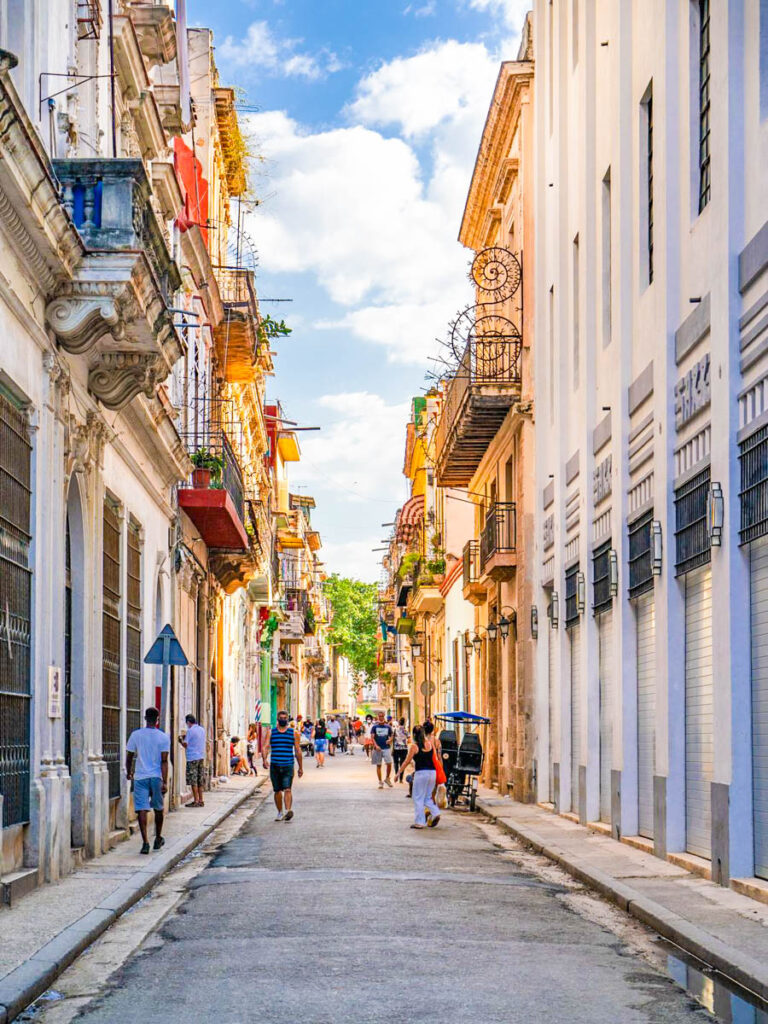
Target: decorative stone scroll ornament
84 444
119 376
79 322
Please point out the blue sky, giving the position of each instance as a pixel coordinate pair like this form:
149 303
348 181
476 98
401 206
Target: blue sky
365 119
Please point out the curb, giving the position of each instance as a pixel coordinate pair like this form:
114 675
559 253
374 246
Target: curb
732 963
31 979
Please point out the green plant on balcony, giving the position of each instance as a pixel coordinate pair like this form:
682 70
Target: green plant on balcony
269 328
270 628
436 566
208 468
310 624
408 565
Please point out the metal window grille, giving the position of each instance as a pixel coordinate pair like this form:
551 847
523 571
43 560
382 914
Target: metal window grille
705 184
15 613
640 557
471 560
571 596
112 629
753 461
692 542
601 577
649 181
133 631
68 650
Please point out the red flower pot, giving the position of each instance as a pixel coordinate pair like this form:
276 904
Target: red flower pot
201 478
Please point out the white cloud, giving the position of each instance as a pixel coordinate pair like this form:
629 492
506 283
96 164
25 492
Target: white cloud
422 11
509 13
260 50
357 208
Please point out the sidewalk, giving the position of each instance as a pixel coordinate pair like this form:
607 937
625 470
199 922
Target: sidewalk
52 925
721 927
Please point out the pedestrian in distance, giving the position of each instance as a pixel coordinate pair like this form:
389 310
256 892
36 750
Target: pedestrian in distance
400 746
421 752
381 734
194 745
146 764
367 740
237 763
334 729
283 747
321 743
251 747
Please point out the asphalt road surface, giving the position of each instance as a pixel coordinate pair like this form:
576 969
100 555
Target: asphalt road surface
346 915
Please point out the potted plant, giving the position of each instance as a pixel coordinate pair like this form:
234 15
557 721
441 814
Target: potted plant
208 467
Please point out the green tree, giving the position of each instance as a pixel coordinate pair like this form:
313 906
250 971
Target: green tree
355 622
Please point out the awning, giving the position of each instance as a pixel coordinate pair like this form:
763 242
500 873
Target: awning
408 518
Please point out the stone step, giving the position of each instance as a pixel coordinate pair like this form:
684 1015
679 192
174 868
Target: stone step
16 884
118 835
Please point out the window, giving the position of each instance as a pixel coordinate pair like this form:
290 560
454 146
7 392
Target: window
111 645
646 177
692 542
133 630
575 313
753 463
640 557
607 258
705 185
571 596
601 577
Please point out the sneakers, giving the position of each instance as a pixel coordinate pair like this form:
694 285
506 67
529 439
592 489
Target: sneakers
388 782
144 848
381 785
159 842
279 816
288 815
433 821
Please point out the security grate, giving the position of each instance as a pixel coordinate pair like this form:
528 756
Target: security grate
68 649
692 542
601 577
571 596
133 632
112 629
640 558
705 169
753 461
15 613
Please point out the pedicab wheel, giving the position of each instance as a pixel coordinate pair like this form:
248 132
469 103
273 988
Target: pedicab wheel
473 801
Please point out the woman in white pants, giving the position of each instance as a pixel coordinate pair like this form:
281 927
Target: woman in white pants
425 810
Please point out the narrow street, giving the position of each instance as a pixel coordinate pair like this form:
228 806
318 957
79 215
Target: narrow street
345 914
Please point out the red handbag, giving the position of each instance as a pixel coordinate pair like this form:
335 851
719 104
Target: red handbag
439 770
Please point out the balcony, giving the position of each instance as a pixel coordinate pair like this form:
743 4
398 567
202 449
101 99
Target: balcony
237 337
425 593
313 653
388 658
115 310
155 30
473 588
216 504
498 542
486 386
292 630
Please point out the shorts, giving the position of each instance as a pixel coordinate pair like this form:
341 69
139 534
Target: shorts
281 776
148 794
234 762
379 756
196 772
321 746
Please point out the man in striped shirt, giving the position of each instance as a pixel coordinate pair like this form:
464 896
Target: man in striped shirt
282 746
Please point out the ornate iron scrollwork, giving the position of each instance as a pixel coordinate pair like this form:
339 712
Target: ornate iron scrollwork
497 273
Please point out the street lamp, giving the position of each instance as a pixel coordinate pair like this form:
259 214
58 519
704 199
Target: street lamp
493 631
504 623
416 644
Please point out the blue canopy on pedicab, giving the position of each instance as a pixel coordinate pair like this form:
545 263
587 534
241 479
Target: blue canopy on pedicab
462 716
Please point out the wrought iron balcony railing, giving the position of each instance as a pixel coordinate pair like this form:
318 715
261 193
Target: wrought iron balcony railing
471 562
499 533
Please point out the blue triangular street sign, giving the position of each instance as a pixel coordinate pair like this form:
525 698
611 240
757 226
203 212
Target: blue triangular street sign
166 641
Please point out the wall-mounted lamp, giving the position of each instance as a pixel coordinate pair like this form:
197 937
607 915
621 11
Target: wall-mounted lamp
715 514
581 593
656 547
416 644
554 610
467 640
534 622
493 631
477 642
613 565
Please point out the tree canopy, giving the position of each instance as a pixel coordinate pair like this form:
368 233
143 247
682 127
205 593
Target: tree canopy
355 622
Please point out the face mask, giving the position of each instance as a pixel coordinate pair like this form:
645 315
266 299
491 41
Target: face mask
282 721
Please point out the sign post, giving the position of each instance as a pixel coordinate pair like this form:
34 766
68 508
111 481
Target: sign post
165 651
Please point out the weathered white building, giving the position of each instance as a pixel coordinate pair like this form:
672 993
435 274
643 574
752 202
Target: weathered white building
652 447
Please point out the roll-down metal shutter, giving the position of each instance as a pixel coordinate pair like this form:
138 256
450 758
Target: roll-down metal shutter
605 662
698 710
759 623
574 634
646 712
552 713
